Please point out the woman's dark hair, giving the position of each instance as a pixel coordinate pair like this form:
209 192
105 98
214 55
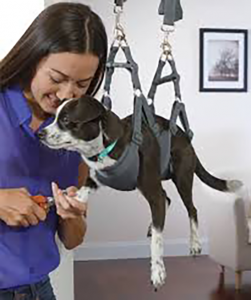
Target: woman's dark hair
61 27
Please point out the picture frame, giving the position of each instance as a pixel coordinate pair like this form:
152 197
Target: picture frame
223 60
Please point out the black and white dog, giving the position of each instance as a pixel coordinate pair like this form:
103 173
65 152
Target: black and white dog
85 126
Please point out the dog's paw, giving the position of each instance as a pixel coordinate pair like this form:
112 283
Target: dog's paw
158 274
82 194
195 247
234 185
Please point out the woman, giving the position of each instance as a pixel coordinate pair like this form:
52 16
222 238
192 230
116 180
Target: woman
61 55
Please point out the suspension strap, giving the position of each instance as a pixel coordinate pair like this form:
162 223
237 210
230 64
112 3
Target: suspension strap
174 77
111 65
142 112
166 57
178 109
119 2
172 11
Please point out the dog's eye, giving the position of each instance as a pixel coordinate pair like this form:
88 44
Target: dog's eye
65 120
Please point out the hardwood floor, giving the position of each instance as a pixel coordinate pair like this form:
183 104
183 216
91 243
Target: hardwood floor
187 279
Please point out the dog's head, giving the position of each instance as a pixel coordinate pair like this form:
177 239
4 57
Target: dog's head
82 125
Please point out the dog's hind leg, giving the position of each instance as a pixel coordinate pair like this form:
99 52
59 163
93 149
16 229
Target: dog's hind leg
153 192
184 183
149 231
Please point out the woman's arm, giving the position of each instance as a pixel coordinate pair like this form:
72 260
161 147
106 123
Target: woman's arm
72 214
71 232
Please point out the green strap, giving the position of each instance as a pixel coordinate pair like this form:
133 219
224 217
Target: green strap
106 151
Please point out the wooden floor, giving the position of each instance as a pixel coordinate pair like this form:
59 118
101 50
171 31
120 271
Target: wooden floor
187 279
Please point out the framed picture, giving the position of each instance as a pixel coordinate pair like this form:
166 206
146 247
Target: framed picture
223 60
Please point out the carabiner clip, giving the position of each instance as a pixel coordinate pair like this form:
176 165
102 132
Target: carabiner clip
119 32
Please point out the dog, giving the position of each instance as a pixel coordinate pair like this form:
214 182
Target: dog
84 125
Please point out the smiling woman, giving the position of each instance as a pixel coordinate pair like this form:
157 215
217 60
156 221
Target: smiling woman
61 76
61 55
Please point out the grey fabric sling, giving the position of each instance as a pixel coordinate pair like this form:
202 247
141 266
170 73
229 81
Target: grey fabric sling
124 173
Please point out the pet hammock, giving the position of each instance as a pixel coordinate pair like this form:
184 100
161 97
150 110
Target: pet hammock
123 174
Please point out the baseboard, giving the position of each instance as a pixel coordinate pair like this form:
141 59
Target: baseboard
138 249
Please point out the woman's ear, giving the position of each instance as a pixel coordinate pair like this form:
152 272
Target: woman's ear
112 125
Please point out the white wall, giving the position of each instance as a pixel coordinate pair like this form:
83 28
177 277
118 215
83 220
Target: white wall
118 221
15 18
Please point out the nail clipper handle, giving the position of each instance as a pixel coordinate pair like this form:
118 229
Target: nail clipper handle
41 201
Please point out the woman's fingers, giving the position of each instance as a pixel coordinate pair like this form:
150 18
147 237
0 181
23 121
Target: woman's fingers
59 197
32 219
77 205
67 205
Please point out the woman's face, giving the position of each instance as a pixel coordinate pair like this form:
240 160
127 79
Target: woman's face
62 76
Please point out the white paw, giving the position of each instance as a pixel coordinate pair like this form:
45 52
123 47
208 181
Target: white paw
158 274
82 194
195 247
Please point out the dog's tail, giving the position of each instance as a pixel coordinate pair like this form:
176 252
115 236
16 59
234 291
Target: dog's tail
216 183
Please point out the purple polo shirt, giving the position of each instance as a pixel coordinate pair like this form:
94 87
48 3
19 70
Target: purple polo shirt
27 255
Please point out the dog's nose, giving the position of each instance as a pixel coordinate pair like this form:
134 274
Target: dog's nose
42 134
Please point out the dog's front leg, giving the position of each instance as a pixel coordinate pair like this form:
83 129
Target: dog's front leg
89 188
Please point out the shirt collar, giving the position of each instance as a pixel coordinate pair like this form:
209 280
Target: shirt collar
19 105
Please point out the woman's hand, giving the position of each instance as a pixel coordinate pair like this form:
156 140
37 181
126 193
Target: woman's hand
68 207
18 209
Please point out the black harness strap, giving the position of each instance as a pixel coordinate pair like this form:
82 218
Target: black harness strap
178 109
158 80
172 11
123 174
142 111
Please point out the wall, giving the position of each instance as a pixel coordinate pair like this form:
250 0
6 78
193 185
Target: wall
15 18
117 222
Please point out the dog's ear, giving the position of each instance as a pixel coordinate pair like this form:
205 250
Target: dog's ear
87 109
112 125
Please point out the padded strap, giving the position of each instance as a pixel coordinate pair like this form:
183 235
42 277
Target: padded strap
119 2
172 11
178 110
142 111
129 65
158 80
